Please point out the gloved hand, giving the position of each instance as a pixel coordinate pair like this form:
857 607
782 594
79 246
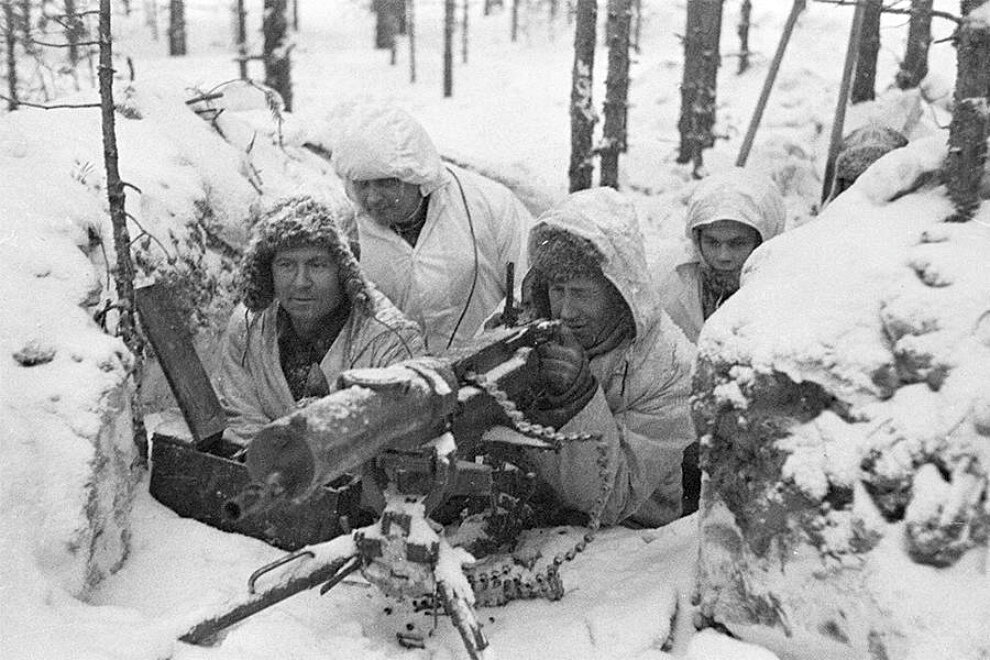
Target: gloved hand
563 363
566 377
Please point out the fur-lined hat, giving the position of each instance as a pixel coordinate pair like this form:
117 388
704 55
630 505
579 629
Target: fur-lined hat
297 222
863 147
560 255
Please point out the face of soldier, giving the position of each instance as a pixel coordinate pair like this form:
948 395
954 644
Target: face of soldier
725 244
389 202
586 305
306 285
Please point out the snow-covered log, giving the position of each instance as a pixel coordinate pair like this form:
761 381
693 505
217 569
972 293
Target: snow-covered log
842 398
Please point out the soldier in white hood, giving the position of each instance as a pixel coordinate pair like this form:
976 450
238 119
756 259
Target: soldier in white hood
620 369
435 239
729 215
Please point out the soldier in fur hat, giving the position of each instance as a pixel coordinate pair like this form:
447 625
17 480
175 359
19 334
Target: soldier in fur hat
619 369
307 314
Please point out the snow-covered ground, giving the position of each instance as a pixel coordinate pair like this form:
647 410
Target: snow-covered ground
508 116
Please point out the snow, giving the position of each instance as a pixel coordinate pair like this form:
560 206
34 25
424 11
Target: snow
508 117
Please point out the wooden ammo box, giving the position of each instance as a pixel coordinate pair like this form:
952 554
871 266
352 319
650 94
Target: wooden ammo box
194 471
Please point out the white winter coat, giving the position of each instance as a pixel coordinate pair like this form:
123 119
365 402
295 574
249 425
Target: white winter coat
738 195
641 408
474 227
251 385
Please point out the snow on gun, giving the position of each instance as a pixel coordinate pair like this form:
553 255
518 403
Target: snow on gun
405 417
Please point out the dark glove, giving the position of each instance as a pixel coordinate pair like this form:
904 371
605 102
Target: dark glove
566 377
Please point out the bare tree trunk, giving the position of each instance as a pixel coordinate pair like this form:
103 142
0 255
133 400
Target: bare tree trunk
123 272
241 21
151 17
464 34
515 20
743 31
638 29
965 163
10 37
27 39
411 28
448 48
701 60
914 68
864 84
582 108
295 15
616 91
382 40
177 27
278 67
73 31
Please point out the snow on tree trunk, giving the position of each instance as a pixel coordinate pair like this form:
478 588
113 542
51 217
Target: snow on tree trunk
177 27
701 60
914 68
582 108
278 67
864 83
616 91
448 48
10 36
743 31
843 427
966 161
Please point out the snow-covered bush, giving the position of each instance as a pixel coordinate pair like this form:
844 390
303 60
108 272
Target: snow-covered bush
841 399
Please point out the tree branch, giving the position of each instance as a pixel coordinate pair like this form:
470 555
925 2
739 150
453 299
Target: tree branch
58 106
51 45
895 10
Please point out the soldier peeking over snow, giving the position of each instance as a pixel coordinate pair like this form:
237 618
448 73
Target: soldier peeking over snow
307 314
434 238
619 367
729 215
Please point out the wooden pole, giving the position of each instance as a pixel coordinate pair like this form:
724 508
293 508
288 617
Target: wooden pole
840 104
761 105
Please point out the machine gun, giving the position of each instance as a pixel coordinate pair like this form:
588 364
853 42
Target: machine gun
409 423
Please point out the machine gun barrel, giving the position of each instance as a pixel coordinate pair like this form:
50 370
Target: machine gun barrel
403 405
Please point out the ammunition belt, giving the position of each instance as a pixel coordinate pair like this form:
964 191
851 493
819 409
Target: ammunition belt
501 578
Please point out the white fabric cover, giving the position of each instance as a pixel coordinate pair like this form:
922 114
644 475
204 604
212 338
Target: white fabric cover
641 409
